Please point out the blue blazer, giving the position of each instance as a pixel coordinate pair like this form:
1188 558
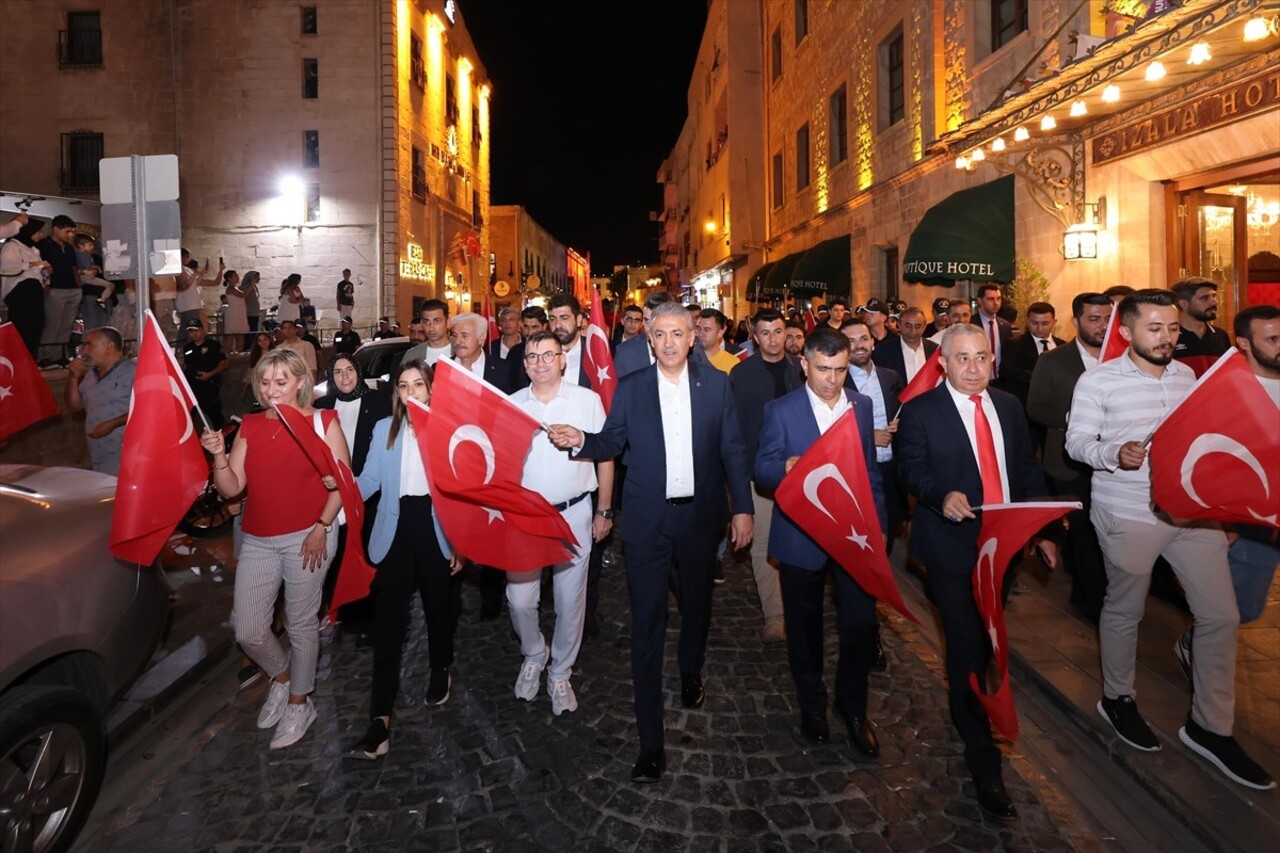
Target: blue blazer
382 473
789 430
935 458
719 455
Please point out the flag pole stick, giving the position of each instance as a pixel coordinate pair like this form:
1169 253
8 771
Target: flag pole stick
182 377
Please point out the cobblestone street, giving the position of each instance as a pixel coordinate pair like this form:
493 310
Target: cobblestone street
489 772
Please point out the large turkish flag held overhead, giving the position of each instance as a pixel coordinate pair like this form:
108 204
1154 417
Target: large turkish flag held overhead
477 441
827 493
1006 528
1217 454
162 466
25 397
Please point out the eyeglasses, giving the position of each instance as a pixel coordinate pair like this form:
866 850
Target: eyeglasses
545 357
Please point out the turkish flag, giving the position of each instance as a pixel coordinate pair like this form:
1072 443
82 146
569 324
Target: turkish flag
1006 528
354 572
1230 415
477 441
810 320
599 361
1198 363
487 312
163 469
849 529
1113 343
25 397
930 375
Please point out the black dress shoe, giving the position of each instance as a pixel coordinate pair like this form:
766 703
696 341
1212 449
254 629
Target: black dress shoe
861 734
994 800
691 692
649 766
814 726
591 626
880 664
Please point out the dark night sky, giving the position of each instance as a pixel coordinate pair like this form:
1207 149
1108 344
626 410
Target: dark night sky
588 99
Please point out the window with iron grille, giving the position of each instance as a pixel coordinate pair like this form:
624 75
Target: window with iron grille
1008 19
313 202
450 100
893 55
81 151
802 157
802 20
777 180
775 56
80 44
309 20
419 186
310 78
417 62
311 149
837 125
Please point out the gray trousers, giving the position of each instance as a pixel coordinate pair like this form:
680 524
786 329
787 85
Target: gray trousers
1199 559
61 305
264 563
766 574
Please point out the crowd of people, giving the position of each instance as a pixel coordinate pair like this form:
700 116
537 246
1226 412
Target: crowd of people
707 419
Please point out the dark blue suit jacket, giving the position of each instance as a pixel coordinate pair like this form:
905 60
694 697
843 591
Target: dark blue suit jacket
935 458
719 457
789 430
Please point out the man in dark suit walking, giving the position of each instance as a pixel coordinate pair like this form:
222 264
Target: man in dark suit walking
908 354
962 445
1025 350
635 353
997 329
1048 401
881 385
792 423
687 477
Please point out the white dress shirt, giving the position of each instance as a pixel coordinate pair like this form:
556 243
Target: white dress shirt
573 362
991 328
677 432
477 366
349 418
1090 362
827 415
868 384
555 474
1044 344
912 359
413 469
968 415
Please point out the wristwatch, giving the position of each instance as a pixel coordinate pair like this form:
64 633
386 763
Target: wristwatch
606 513
328 528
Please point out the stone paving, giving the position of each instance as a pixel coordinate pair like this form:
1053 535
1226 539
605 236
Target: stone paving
487 771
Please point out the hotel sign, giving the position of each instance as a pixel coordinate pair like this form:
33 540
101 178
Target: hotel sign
413 266
1233 103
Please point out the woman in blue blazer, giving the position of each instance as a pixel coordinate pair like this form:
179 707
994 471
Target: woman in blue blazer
405 559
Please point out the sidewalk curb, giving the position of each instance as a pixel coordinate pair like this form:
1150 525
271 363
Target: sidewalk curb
164 680
1156 772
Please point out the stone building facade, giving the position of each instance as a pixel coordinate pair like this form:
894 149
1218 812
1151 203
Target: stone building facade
311 137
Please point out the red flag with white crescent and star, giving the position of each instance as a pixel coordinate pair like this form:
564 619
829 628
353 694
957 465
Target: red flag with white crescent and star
1231 418
1006 528
846 526
25 397
477 441
930 375
355 575
162 466
598 359
1113 343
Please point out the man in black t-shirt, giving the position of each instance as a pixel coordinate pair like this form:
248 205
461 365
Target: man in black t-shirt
203 363
346 298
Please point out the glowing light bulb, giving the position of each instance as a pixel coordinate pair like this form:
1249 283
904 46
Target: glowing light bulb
1078 109
1048 123
962 162
997 144
1021 135
977 156
1111 94
1199 53
1255 29
1155 71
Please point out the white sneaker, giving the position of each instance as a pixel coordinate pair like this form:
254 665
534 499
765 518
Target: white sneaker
527 680
293 724
561 693
273 708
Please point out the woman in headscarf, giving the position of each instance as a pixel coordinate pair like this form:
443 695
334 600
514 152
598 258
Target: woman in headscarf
21 285
359 406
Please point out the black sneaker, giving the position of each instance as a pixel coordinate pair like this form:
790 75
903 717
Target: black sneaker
1122 714
718 573
438 687
1225 753
1182 651
375 743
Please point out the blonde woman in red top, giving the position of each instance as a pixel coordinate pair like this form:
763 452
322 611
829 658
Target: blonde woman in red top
289 537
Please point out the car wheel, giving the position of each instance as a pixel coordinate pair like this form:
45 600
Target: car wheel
52 757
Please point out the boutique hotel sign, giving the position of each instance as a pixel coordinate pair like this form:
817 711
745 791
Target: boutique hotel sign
948 269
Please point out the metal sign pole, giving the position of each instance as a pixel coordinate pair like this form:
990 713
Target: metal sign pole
142 284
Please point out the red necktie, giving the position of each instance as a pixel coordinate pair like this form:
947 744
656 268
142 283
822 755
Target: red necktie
988 465
991 333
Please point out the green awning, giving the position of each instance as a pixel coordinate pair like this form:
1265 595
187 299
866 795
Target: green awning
968 236
755 285
777 282
824 270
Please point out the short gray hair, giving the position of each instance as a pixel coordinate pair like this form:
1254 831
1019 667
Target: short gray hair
959 330
479 325
673 309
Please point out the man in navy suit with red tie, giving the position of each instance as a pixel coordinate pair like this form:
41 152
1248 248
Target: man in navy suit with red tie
960 446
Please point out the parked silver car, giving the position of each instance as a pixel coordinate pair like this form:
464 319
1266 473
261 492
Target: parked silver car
77 626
